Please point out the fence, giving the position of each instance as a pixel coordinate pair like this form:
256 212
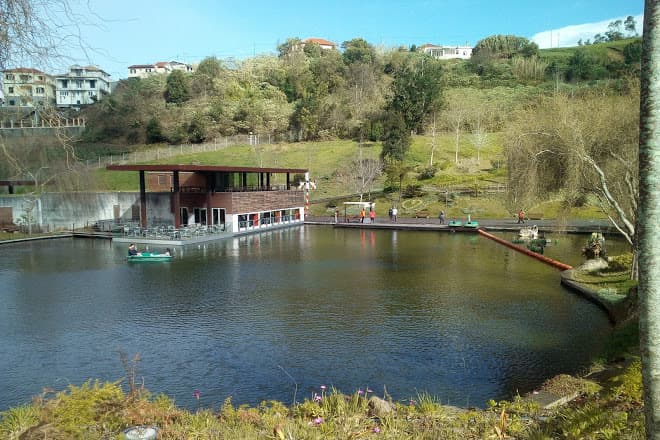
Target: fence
178 150
43 123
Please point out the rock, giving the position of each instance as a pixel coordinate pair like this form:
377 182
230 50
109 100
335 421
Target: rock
379 407
593 265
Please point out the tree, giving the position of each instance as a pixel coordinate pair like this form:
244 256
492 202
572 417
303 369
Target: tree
614 32
396 139
361 174
505 46
31 34
631 26
289 46
204 77
649 203
176 88
416 90
358 50
579 147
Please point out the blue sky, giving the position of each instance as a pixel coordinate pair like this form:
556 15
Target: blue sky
125 32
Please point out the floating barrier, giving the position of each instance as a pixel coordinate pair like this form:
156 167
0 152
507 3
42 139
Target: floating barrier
550 261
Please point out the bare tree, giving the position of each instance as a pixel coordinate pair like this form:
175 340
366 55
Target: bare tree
361 174
38 32
579 148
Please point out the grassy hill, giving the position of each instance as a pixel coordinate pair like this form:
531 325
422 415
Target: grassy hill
327 160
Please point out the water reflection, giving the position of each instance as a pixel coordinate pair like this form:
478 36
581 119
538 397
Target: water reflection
455 315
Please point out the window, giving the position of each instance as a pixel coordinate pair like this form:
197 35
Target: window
63 93
11 90
9 76
131 70
79 84
65 84
90 93
92 84
12 102
25 78
40 90
40 77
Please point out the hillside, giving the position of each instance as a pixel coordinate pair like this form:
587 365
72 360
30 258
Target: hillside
471 184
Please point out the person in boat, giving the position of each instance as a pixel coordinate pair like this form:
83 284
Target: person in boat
168 252
132 250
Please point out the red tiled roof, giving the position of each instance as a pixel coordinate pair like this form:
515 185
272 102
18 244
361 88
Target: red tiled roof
25 70
319 41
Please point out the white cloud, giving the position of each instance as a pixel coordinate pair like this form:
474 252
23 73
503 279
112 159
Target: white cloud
570 35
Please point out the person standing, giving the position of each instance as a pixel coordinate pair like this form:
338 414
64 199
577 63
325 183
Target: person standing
442 217
521 217
362 215
336 215
372 215
394 213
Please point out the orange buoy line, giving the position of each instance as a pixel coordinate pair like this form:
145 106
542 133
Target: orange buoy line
550 261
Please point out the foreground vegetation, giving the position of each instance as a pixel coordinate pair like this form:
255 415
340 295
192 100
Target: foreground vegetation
606 404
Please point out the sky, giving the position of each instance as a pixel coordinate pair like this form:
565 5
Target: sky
120 33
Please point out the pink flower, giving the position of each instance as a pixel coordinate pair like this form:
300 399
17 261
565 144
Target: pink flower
369 390
197 394
322 387
317 398
318 420
360 392
376 430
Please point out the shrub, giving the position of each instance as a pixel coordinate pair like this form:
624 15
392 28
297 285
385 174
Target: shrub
412 191
620 263
427 172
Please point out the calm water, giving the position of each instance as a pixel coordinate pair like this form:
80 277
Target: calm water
454 315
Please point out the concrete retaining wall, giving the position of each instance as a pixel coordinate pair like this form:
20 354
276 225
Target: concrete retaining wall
62 210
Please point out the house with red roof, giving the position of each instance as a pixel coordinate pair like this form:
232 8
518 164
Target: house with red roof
325 44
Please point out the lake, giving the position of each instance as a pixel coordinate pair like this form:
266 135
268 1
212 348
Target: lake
276 315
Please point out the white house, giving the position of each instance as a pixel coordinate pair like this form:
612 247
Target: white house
447 52
27 87
167 67
81 86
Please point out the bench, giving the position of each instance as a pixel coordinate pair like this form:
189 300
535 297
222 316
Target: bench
534 216
422 214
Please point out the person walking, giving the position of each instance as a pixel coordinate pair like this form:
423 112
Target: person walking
372 215
442 217
521 217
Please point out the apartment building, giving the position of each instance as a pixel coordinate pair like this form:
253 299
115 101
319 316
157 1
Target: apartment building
166 67
81 86
27 87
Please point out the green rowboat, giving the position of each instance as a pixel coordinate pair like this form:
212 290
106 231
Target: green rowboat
149 256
